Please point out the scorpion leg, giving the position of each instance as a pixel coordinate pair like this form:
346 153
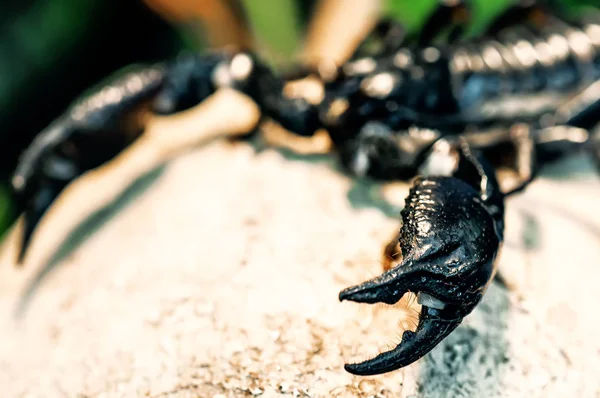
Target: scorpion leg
573 125
525 160
381 153
452 228
514 147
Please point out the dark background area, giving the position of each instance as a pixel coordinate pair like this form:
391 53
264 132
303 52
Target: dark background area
52 51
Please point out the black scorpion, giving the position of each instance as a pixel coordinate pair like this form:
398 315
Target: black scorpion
448 111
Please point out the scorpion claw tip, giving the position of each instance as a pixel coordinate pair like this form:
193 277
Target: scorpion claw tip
431 330
373 291
30 222
351 368
21 255
388 287
355 293
35 207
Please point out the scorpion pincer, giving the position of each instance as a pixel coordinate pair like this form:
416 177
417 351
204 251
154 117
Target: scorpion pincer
452 229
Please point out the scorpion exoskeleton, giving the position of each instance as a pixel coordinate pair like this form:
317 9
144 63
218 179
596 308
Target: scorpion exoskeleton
523 93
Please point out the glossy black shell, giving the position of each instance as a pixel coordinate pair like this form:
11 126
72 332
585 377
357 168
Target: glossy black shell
447 231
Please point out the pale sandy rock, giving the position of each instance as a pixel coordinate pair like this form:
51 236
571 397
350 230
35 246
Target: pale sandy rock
221 280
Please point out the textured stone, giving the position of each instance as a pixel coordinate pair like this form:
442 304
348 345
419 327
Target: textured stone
220 279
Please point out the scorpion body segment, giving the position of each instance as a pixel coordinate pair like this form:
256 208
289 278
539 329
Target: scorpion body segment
529 73
463 82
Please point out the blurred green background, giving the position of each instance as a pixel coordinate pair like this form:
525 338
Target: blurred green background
52 50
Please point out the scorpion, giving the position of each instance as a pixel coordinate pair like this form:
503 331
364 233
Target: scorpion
439 108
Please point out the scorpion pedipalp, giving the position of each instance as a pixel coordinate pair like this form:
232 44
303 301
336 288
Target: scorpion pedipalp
452 228
91 132
59 156
105 122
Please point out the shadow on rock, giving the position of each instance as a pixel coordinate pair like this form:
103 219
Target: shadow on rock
470 362
86 229
577 166
367 194
363 194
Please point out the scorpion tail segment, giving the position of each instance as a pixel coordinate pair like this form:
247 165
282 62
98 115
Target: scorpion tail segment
431 330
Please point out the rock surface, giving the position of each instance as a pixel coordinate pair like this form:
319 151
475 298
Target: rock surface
218 277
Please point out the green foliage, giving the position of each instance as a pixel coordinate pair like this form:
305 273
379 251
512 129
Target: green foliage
279 28
35 38
413 13
276 24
